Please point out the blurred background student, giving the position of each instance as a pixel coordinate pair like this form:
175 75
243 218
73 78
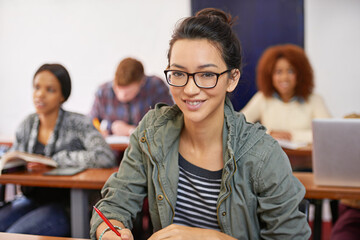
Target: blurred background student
68 138
285 103
120 104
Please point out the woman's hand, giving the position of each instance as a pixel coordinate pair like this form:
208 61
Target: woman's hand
125 235
175 231
121 128
110 235
33 166
281 135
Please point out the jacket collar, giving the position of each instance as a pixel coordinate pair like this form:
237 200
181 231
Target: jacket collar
238 135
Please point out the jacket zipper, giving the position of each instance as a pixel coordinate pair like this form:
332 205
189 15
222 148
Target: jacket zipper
222 200
162 189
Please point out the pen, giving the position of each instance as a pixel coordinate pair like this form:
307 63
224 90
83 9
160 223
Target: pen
107 222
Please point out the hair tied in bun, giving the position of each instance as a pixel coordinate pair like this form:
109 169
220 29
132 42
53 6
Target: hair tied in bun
216 13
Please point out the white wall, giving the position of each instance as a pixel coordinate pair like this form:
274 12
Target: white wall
89 37
332 42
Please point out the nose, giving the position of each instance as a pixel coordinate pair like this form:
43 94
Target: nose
191 88
39 92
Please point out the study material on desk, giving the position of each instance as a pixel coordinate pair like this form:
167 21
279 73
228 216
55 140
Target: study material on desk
290 144
17 236
113 139
336 152
68 171
13 160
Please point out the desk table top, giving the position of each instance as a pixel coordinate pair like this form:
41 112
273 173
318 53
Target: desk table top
93 178
15 236
321 192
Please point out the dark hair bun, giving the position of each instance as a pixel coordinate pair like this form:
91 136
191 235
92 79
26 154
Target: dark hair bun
216 13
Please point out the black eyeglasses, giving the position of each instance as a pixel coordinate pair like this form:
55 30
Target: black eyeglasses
178 78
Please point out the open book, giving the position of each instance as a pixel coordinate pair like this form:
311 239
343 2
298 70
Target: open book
16 159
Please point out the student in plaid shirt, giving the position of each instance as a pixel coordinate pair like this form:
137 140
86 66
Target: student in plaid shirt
120 104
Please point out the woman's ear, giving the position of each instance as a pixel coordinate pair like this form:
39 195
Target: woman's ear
234 79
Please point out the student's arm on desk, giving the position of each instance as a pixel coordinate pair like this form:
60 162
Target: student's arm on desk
304 136
124 192
109 235
121 128
95 152
279 194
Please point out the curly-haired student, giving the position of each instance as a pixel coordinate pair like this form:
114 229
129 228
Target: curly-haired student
285 103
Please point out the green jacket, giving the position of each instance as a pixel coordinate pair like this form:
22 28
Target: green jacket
259 195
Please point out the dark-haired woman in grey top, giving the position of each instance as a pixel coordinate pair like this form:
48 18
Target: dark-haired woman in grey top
68 138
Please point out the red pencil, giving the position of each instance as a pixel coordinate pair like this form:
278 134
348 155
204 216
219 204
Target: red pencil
107 222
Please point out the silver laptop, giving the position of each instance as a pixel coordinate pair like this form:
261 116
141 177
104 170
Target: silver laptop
336 152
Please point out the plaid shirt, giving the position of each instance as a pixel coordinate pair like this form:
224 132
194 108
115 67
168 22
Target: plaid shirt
107 107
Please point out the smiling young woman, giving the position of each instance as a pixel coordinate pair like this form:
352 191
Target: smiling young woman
207 173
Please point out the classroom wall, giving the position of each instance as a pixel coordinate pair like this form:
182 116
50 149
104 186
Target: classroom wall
332 41
90 37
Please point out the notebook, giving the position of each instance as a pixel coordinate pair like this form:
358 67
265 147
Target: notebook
336 152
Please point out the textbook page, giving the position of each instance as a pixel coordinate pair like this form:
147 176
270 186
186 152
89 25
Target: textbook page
13 159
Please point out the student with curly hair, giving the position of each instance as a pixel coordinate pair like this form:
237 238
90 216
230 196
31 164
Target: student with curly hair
285 103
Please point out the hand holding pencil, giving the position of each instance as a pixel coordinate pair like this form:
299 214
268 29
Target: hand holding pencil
111 230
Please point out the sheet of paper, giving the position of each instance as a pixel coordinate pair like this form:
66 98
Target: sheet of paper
291 145
117 139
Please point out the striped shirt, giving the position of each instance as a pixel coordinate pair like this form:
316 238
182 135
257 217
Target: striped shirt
197 193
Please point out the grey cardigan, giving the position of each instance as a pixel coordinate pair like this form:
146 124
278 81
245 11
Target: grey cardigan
259 195
74 141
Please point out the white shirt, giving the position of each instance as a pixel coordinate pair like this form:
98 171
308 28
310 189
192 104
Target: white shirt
294 116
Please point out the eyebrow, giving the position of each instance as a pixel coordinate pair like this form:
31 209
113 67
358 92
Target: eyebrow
200 67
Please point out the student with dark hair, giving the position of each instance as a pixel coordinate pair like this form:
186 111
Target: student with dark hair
68 138
122 103
285 103
207 173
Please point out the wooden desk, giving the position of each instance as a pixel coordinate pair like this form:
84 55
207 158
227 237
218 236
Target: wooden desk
118 146
321 192
300 158
15 236
79 185
114 146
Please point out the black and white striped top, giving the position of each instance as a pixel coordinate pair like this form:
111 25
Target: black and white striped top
198 190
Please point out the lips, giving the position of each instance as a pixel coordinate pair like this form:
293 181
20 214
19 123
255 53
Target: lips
194 104
284 84
39 104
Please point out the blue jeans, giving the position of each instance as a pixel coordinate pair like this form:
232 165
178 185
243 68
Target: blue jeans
26 216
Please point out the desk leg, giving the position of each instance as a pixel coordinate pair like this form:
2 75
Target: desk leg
317 219
80 221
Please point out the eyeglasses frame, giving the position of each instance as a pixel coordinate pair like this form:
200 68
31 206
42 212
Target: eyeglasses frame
193 76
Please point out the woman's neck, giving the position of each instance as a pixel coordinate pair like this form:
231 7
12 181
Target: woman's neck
202 136
48 121
286 98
